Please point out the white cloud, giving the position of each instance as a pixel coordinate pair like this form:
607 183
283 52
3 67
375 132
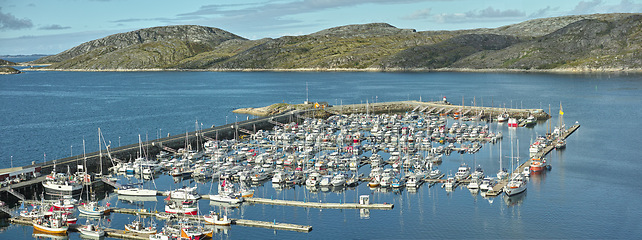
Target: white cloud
419 14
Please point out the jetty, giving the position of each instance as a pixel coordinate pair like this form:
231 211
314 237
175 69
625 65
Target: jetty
384 206
240 222
498 188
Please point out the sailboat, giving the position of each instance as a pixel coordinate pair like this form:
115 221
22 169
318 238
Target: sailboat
91 208
517 183
502 174
139 191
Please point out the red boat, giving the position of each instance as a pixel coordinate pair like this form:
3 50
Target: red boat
538 165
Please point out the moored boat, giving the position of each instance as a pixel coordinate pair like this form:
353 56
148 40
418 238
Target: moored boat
51 223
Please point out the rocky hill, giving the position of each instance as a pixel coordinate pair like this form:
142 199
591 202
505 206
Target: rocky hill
6 63
575 43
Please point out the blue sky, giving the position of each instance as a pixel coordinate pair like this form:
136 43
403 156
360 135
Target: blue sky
52 26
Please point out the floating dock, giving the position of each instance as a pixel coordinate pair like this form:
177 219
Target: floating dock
239 222
385 206
498 188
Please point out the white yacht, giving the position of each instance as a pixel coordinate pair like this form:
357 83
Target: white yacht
516 185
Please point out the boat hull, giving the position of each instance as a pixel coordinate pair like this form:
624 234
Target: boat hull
44 229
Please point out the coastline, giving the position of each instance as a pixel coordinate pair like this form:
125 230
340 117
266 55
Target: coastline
472 70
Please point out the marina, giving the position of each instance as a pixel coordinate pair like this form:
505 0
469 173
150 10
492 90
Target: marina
420 192
279 149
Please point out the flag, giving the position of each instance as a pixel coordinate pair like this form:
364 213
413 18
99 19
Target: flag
561 113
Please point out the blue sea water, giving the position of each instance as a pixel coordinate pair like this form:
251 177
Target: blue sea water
592 191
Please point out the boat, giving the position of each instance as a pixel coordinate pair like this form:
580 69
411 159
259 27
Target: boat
503 117
215 219
164 215
450 183
538 165
313 179
560 144
91 230
137 227
486 184
185 193
374 181
463 172
138 192
51 222
413 181
474 183
92 208
515 186
530 121
225 198
61 184
512 122
183 207
338 180
65 203
325 181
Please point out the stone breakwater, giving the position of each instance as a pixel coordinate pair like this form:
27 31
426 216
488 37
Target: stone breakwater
439 107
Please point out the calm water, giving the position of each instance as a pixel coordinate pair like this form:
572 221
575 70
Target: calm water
593 190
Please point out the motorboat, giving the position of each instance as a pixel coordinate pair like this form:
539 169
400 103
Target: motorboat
313 179
338 180
139 192
186 193
463 172
91 230
515 186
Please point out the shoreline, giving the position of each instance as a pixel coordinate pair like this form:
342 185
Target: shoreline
393 70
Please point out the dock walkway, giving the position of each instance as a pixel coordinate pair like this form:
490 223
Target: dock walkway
387 206
239 222
498 188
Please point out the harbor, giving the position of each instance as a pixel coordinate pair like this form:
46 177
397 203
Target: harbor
385 146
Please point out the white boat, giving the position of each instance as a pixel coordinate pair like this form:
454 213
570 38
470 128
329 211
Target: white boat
137 227
450 183
61 184
413 181
137 192
91 230
183 207
186 193
515 186
93 209
338 180
313 179
50 223
215 219
486 184
474 183
463 172
325 181
279 177
224 198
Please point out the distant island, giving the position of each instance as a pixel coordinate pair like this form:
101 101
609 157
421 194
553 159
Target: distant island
581 43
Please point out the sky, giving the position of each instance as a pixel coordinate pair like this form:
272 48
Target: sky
52 26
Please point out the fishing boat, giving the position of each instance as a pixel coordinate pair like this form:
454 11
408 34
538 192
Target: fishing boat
51 222
65 203
538 165
137 226
215 219
450 183
91 230
560 144
61 184
503 117
182 207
